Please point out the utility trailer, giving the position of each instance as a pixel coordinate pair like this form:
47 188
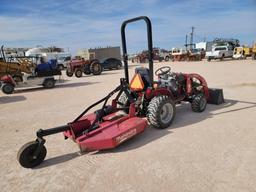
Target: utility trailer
24 74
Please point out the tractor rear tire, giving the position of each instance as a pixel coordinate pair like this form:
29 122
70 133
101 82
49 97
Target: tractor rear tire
78 73
7 88
161 112
96 68
25 155
199 103
87 70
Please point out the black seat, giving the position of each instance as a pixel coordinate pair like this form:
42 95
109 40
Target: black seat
144 73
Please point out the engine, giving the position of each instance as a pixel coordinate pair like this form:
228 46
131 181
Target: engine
169 81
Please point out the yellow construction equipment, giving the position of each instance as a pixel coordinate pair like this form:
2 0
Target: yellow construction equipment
16 68
254 52
242 52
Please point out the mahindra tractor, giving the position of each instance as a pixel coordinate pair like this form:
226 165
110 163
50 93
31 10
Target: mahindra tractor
136 103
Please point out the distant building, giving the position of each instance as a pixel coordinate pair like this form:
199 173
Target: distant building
9 51
47 53
15 51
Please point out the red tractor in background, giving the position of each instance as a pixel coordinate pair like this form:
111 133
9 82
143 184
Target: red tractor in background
78 66
158 55
114 124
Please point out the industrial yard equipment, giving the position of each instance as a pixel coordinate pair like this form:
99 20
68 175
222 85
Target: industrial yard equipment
254 52
187 55
24 73
242 52
113 124
78 66
158 54
15 68
222 48
8 83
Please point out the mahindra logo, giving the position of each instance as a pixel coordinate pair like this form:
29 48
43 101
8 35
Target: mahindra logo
125 136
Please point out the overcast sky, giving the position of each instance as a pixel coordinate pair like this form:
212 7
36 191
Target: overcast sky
96 23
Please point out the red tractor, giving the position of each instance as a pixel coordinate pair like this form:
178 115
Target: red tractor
158 54
78 66
114 124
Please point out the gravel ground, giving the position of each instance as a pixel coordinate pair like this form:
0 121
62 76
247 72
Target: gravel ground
210 151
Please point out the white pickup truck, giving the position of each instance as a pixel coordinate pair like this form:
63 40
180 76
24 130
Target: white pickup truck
219 52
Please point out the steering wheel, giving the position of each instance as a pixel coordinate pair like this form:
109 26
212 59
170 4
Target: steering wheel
163 70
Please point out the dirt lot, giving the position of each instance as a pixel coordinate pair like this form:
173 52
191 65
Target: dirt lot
210 151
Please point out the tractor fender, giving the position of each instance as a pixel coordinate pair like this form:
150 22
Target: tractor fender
203 82
157 92
8 79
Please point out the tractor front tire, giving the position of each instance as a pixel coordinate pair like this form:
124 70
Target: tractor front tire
7 88
96 68
199 103
161 112
69 73
26 152
78 73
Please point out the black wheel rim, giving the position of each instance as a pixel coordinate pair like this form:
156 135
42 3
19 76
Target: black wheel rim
26 154
166 113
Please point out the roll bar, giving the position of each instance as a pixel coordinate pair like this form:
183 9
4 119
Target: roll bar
150 46
2 52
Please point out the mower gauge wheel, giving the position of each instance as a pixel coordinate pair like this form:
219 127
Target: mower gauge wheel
26 156
163 70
